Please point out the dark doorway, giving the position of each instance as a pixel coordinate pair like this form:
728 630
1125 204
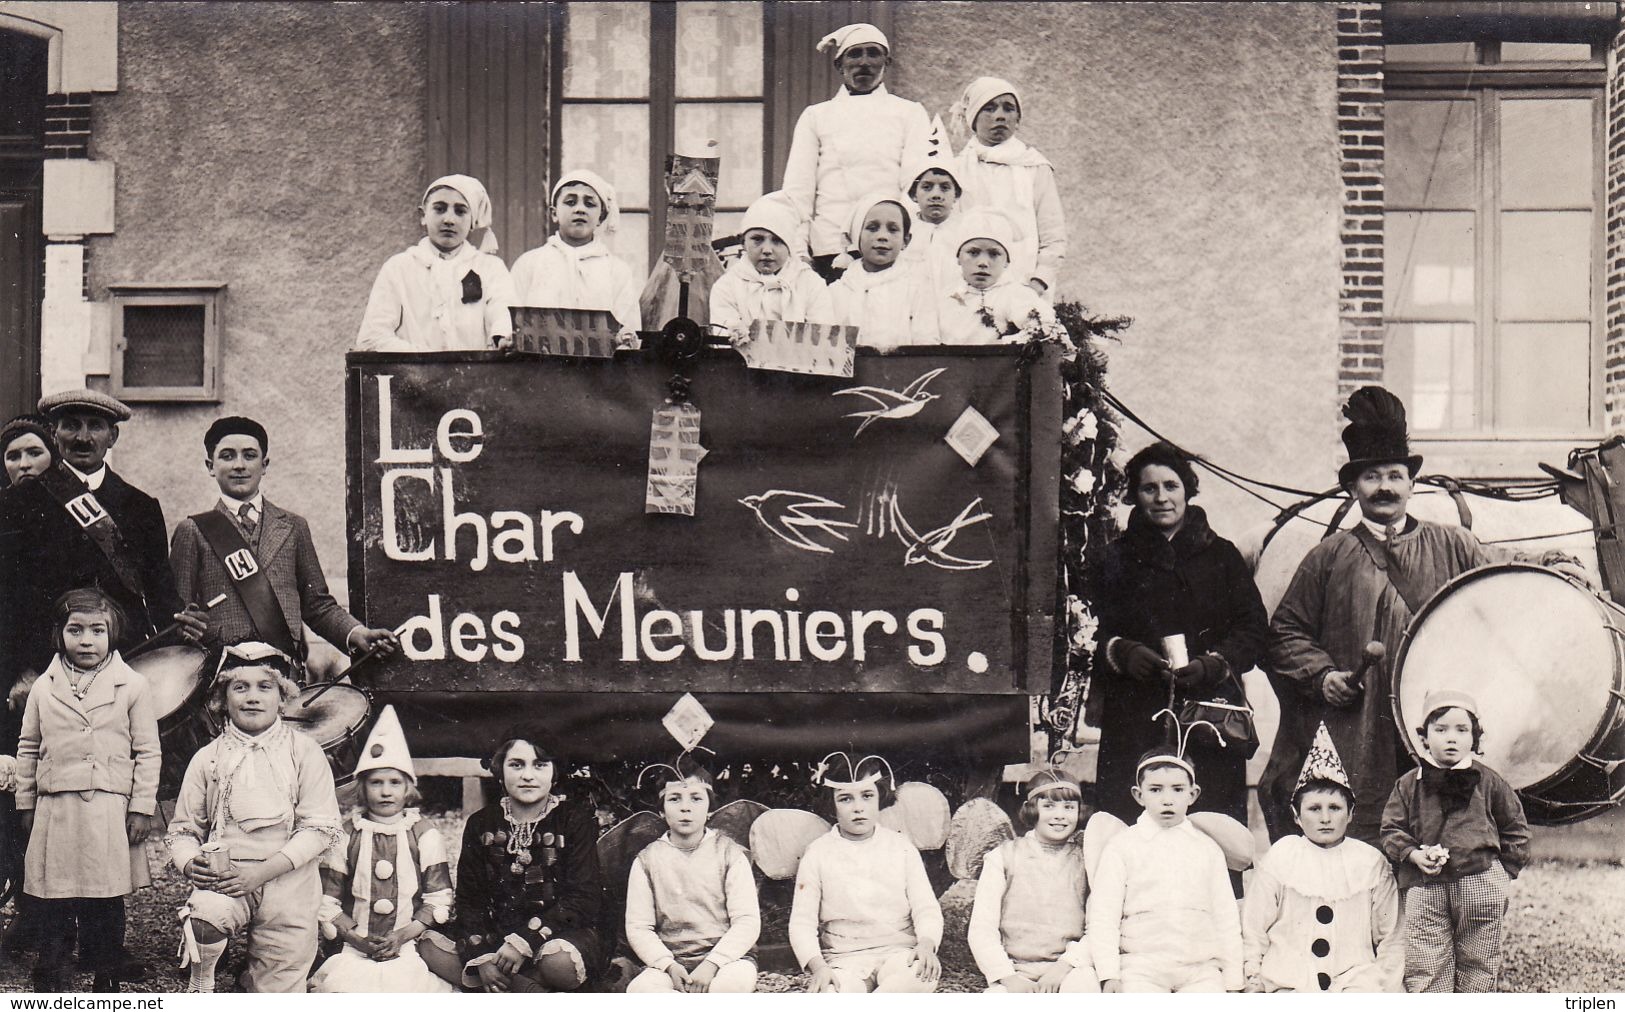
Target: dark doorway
22 254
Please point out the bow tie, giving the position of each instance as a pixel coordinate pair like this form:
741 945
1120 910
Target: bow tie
1455 787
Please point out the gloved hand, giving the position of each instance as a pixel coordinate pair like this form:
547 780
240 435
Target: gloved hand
1139 661
1200 675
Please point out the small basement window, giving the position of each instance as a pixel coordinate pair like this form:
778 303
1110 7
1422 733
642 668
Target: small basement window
166 341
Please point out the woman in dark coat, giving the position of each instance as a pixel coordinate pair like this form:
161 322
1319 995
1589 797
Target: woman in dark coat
1169 574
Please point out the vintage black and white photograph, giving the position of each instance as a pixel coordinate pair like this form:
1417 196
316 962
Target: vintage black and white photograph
799 496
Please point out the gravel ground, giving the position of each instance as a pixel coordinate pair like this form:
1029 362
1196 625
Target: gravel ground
1563 933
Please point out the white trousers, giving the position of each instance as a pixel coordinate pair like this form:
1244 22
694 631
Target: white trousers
281 920
860 973
737 977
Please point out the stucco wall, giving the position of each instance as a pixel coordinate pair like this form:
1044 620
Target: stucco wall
277 148
1196 152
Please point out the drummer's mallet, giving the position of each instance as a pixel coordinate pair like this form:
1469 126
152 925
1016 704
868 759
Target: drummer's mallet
1371 656
364 658
171 627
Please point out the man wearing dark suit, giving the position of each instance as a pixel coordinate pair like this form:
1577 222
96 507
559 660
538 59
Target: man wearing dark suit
280 544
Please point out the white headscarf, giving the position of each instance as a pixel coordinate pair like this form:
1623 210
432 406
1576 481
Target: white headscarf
861 209
979 93
774 212
920 166
479 205
986 223
842 39
606 193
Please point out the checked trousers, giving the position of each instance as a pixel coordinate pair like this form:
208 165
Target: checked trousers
1453 933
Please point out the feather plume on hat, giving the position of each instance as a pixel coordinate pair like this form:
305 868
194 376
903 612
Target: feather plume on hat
1376 433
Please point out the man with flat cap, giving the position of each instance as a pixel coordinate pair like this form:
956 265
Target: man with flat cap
260 556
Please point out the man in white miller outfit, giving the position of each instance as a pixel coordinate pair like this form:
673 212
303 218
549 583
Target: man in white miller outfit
858 142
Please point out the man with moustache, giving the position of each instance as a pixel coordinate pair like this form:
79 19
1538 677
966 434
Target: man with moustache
1357 586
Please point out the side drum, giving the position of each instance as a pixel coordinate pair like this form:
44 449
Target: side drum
334 715
1545 657
179 685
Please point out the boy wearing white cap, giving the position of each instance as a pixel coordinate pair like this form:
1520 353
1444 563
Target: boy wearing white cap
1457 835
1322 909
387 883
575 268
855 143
445 293
999 170
988 305
768 282
935 191
864 917
889 302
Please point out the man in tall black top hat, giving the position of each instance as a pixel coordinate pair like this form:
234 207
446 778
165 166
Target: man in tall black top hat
1357 586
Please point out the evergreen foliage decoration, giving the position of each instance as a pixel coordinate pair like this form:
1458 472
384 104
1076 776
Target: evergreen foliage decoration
1091 485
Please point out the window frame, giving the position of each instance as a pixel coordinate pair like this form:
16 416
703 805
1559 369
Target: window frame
208 294
1489 82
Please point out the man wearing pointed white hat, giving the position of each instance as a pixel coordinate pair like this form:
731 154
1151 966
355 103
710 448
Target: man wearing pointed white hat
858 142
388 883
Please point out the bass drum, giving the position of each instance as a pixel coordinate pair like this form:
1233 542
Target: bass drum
334 715
1544 656
178 680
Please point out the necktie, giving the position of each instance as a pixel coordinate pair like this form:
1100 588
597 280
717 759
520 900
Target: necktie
245 519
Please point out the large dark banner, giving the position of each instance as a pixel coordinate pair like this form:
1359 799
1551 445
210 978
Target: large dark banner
843 545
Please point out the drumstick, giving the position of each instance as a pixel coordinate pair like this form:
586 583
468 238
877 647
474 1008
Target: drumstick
171 627
364 658
1372 655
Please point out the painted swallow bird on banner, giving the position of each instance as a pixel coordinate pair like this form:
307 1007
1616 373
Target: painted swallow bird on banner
883 517
905 403
786 515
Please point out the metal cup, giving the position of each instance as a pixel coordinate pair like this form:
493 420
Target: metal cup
218 856
1173 648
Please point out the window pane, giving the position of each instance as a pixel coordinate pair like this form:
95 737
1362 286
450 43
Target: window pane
1545 52
1544 374
1430 154
719 50
163 346
613 141
606 49
1429 265
1546 157
631 244
1431 52
1545 265
1435 368
737 129
727 223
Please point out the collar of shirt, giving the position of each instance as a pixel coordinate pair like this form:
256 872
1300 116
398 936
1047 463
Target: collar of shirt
233 505
843 94
427 253
1149 821
1380 532
595 248
93 480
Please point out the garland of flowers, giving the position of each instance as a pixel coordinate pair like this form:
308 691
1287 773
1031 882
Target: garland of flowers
1091 484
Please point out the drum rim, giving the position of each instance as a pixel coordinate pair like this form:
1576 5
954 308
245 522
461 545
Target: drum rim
350 730
1604 723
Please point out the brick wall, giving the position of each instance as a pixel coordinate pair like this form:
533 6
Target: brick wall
67 135
1614 351
1359 141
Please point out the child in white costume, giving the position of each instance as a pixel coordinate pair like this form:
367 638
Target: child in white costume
575 268
265 793
1322 910
889 303
864 917
767 282
855 143
1027 922
998 170
387 883
988 306
1162 917
691 909
935 191
445 293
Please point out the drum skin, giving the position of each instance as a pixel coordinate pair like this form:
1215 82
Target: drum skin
336 720
1544 656
180 693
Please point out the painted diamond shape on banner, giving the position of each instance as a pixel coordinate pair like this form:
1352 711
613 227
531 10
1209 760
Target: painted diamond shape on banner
687 721
971 435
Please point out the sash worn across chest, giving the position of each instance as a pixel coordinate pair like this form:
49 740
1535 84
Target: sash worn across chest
98 525
253 587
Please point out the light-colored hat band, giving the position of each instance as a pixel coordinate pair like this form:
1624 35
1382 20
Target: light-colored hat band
853 785
1033 792
1168 760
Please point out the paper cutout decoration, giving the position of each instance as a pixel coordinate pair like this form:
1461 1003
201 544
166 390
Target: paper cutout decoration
580 333
814 349
674 459
691 200
687 721
971 435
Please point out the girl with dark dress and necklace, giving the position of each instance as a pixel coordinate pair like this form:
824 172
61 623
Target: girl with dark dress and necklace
1170 574
529 893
